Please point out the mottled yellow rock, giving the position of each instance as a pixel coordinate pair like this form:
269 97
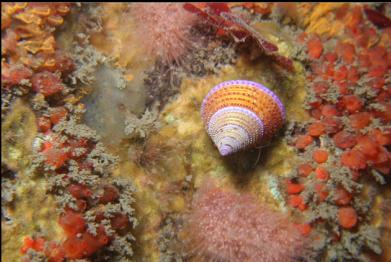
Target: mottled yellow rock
33 212
18 131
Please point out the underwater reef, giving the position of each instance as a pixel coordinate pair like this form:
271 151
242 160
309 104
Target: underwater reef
196 132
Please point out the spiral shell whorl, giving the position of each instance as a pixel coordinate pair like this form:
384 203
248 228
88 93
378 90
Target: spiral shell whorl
240 114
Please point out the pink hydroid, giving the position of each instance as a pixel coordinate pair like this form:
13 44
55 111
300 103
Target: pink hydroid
227 226
163 29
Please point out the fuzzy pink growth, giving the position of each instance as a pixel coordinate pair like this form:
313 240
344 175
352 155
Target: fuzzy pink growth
226 226
164 29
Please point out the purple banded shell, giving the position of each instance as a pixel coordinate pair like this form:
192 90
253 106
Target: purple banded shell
240 114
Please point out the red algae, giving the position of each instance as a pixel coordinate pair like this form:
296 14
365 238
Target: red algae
57 114
377 18
13 75
46 83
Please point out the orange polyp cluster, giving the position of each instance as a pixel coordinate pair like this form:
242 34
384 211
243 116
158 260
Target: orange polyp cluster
79 191
322 173
320 156
342 196
37 244
80 243
382 138
85 244
119 221
350 109
54 252
315 47
294 188
303 141
57 152
346 51
110 194
344 139
321 87
57 114
72 222
360 120
297 202
305 170
316 129
321 191
329 110
353 159
305 229
54 152
352 103
332 124
14 74
347 217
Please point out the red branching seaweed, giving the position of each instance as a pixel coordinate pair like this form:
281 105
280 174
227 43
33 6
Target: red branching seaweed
227 23
221 16
377 18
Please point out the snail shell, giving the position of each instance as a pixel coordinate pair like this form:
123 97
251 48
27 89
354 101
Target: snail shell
240 114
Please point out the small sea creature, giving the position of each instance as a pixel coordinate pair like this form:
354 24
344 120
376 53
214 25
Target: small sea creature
239 114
